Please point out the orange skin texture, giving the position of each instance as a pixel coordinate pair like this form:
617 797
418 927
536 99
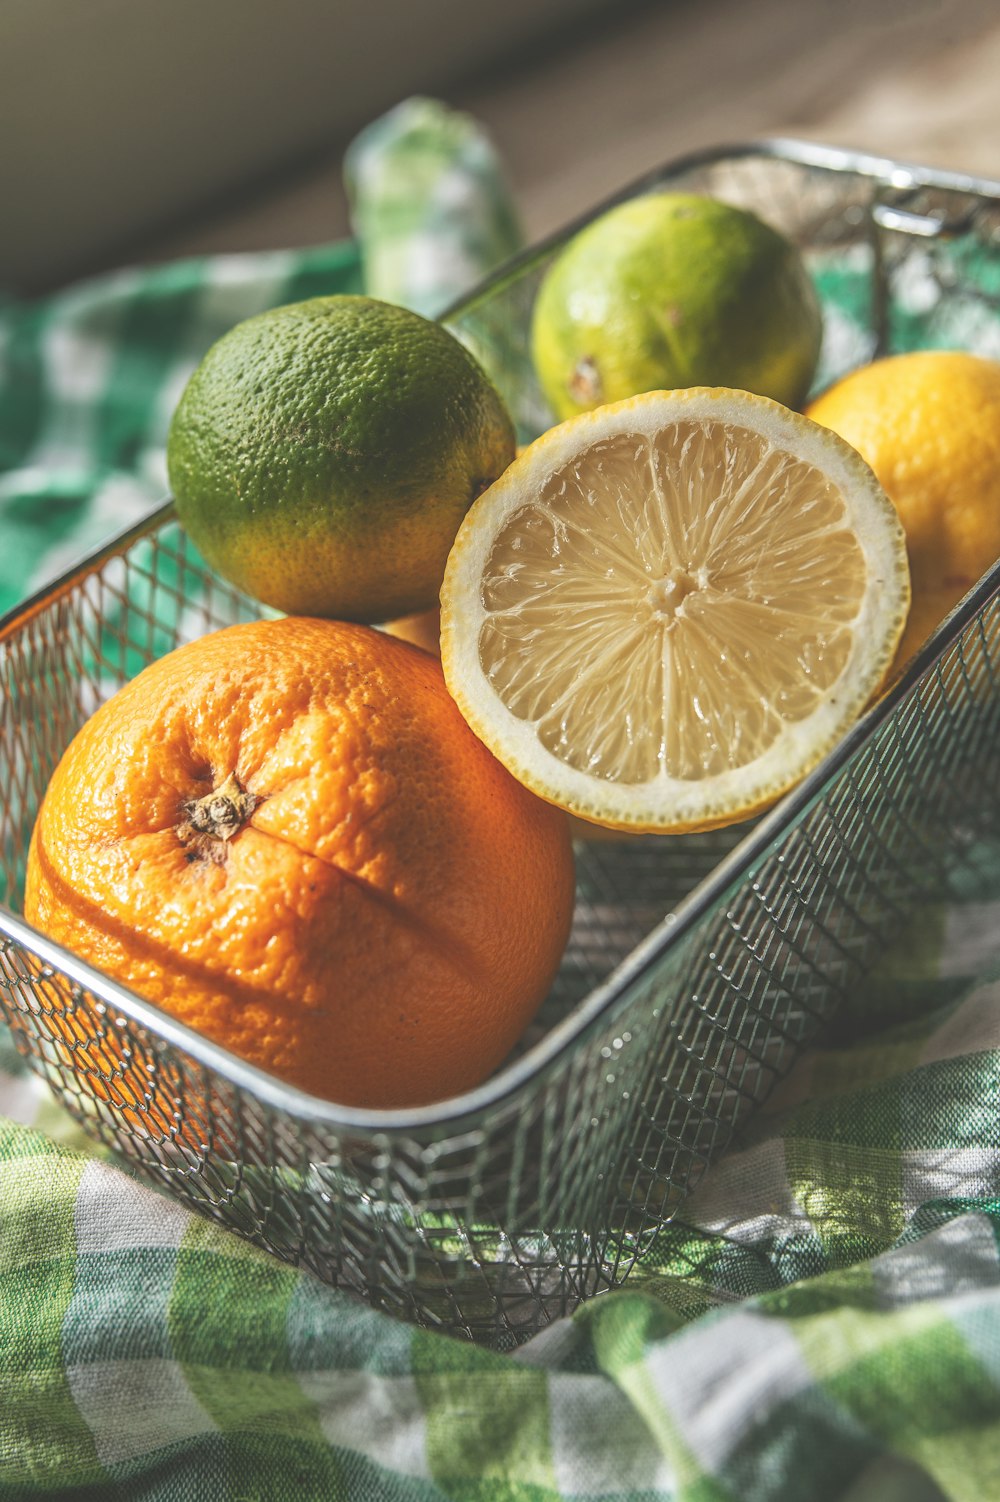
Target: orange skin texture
383 925
928 423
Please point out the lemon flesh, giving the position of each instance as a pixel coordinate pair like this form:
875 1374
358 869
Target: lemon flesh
668 609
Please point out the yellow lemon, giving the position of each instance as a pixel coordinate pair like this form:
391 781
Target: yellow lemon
928 423
667 610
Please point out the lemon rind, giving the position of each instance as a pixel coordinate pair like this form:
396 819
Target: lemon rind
664 802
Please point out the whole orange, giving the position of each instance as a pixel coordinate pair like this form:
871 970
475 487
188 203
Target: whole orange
285 834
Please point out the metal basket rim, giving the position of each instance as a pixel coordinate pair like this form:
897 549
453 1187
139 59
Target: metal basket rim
599 1005
893 172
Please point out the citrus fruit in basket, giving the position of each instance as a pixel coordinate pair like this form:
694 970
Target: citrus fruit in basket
666 611
670 290
285 835
929 425
323 454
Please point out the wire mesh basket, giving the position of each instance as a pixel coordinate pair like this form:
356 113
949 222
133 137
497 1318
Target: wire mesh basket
697 967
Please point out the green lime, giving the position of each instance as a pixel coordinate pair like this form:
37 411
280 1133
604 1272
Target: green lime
323 454
671 290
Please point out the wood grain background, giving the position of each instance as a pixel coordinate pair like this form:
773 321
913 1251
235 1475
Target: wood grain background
915 79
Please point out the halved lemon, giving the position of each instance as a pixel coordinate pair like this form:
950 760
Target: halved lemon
665 611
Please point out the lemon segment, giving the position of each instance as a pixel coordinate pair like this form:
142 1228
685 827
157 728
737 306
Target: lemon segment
665 611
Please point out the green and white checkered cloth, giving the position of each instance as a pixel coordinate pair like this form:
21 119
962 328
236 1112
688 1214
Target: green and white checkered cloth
823 1320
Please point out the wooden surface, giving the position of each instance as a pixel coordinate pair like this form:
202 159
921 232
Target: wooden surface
915 79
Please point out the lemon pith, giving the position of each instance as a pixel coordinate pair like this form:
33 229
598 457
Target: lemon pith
666 610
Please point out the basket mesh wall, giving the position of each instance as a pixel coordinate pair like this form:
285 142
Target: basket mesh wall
493 1221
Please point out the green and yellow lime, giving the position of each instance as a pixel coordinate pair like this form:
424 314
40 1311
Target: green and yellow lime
674 290
323 454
